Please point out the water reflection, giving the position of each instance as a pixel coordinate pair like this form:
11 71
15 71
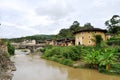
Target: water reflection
34 68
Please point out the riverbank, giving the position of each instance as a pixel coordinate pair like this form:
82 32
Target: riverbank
103 59
35 68
6 67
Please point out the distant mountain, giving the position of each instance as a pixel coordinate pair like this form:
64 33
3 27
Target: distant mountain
34 37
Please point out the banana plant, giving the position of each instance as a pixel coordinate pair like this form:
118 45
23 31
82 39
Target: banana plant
107 58
91 58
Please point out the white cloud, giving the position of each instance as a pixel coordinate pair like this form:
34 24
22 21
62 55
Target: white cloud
54 9
28 17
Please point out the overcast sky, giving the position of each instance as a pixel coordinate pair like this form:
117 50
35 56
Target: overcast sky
29 17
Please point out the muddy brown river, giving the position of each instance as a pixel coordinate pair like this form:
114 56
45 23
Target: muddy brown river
35 68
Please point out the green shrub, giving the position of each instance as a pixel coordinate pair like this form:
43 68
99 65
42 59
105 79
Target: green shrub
53 58
118 49
42 50
48 46
11 49
91 58
45 48
68 62
64 55
98 40
52 51
113 42
72 52
59 56
116 66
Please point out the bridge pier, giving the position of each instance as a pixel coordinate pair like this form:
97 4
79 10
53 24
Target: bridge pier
32 48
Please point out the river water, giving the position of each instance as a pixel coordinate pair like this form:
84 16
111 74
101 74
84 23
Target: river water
35 68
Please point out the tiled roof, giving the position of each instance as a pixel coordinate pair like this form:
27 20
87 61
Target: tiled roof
92 29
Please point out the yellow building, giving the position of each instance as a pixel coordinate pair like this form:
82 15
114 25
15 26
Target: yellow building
50 42
86 36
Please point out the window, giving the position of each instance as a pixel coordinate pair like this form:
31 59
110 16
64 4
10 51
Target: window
89 42
89 36
82 37
78 43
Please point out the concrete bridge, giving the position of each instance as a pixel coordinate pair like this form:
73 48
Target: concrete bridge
31 47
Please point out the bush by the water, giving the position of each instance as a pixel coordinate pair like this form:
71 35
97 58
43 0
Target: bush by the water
11 49
63 55
97 57
68 62
46 47
114 40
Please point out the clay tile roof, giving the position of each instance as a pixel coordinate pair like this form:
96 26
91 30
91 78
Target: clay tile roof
92 29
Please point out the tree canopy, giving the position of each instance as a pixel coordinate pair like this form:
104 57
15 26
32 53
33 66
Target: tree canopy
68 33
75 26
113 24
65 33
88 26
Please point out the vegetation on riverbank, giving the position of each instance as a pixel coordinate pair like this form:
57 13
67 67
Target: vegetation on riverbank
9 47
115 40
63 55
6 66
104 59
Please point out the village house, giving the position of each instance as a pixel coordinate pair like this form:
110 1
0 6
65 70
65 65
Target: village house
64 42
108 36
86 36
50 42
40 42
70 42
61 42
29 42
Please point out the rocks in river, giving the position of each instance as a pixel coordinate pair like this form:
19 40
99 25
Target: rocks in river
5 76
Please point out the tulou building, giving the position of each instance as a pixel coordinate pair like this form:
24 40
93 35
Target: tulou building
86 36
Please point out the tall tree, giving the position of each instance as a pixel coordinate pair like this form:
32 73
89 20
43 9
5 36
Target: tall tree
113 24
98 40
68 33
65 33
88 26
75 26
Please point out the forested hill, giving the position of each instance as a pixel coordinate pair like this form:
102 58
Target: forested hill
34 37
63 33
